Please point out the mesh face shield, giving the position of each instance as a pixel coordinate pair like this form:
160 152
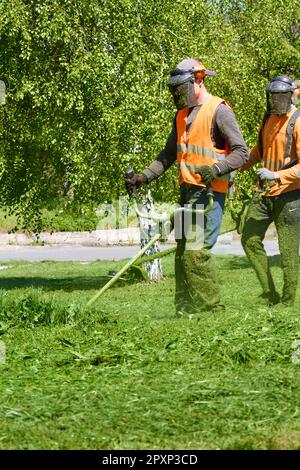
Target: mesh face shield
279 95
280 103
181 86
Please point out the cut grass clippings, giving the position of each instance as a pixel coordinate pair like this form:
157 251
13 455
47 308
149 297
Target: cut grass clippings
126 374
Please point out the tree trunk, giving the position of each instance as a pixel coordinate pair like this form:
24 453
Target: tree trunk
148 229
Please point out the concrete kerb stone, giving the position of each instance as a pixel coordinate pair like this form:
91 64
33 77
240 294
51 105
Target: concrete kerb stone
94 238
121 237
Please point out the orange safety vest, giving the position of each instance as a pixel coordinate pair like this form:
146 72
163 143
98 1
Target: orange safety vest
196 148
273 141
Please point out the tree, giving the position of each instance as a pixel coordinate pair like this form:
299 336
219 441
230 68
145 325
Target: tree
86 86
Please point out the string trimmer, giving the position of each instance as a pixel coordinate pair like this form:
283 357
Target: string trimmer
137 259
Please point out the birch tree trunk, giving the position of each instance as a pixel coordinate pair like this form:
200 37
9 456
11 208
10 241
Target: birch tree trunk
148 229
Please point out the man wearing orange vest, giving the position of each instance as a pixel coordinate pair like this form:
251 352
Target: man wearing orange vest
278 196
207 145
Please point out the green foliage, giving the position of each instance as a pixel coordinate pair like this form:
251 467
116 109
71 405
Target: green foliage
86 94
65 216
69 219
237 204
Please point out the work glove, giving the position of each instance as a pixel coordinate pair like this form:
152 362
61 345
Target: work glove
207 173
265 174
133 183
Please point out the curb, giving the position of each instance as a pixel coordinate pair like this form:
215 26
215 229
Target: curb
113 237
122 237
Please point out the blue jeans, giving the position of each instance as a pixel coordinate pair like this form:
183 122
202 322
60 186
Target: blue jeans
197 287
212 220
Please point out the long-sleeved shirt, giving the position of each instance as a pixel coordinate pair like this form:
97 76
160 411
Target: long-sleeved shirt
224 130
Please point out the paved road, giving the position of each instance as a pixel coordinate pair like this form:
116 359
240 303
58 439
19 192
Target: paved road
86 253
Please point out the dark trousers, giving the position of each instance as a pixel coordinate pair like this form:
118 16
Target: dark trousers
197 288
284 211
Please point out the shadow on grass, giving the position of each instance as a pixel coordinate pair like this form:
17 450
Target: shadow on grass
241 262
67 284
76 283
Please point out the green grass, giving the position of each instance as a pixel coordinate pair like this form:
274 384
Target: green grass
126 374
65 216
55 220
66 219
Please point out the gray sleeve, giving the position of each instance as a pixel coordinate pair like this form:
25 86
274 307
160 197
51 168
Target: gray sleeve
228 128
165 158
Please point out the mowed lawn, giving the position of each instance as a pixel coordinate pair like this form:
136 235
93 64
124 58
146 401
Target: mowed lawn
125 374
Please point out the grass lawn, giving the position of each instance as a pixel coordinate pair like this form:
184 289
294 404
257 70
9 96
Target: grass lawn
126 374
67 220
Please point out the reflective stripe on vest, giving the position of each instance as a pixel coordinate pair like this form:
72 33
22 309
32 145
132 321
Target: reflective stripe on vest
200 151
197 149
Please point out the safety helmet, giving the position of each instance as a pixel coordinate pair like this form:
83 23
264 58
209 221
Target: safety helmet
181 81
188 70
281 84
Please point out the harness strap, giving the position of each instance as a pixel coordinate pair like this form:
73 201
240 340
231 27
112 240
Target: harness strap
290 134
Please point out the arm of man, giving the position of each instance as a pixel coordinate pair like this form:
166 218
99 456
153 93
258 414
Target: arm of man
255 157
226 124
165 158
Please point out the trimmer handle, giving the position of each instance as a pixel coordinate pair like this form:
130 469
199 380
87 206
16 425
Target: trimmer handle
129 183
129 172
209 192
